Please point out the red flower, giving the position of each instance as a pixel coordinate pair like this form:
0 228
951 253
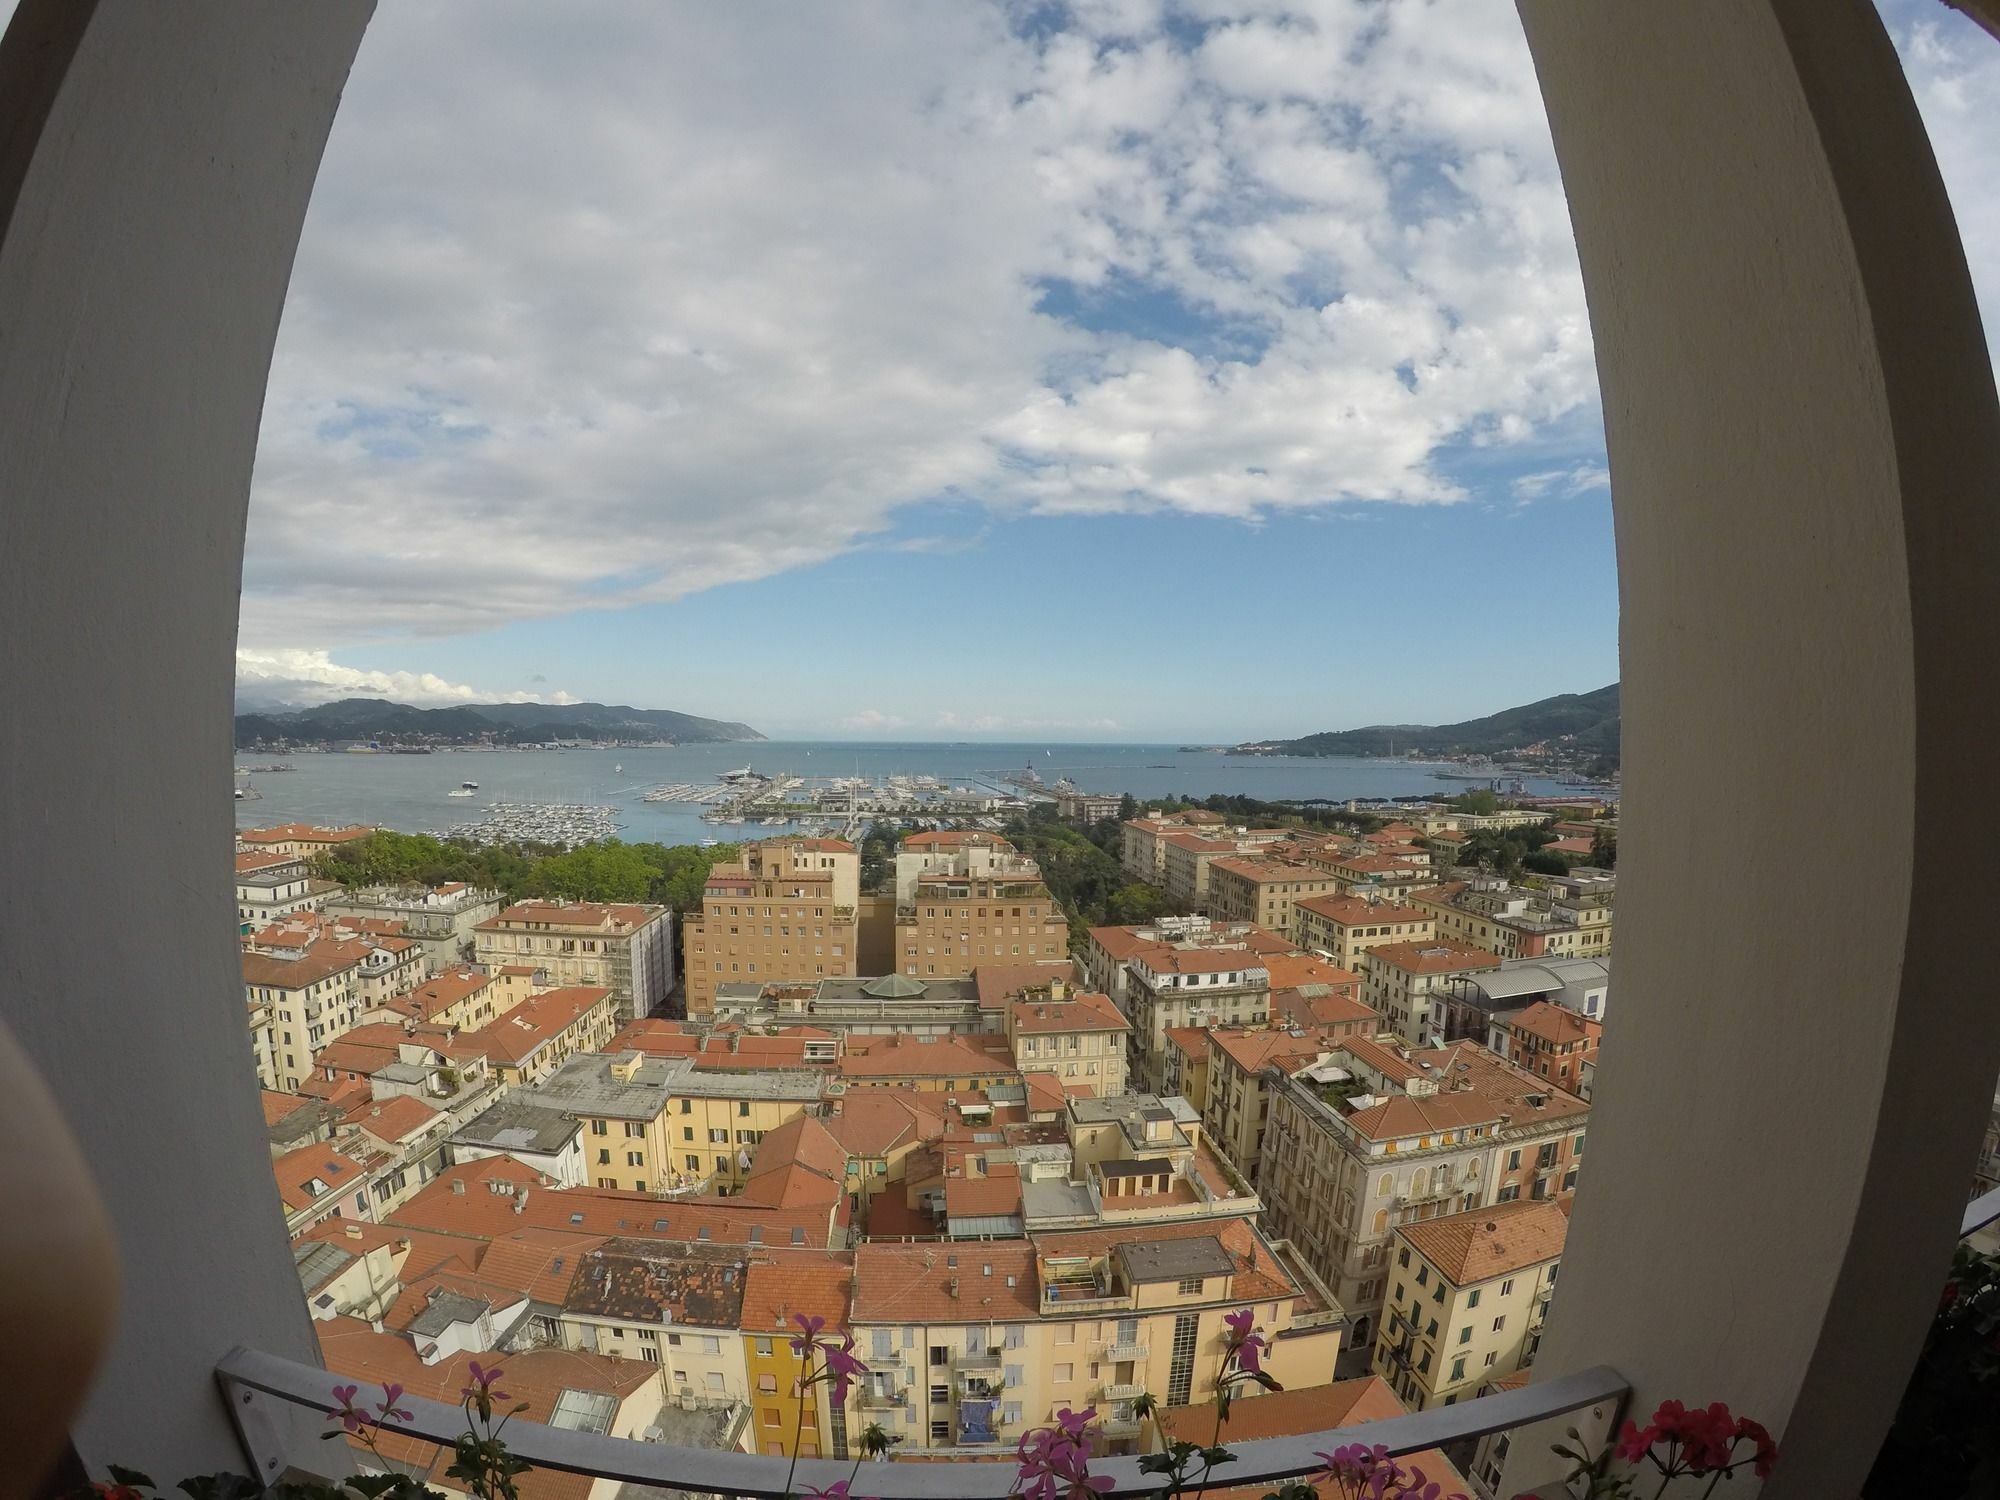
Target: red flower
1947 1297
1634 1441
1767 1451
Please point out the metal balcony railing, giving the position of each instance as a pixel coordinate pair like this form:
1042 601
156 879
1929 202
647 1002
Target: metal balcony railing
255 1385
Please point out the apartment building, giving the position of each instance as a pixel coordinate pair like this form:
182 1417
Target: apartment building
778 1287
953 923
1467 1297
1076 1037
444 918
1558 921
1406 983
536 1037
666 1303
1370 873
772 917
1171 985
1088 807
1547 1040
970 1345
466 997
949 851
302 840
944 1065
1345 927
301 997
1263 890
1474 1003
1386 1136
662 1124
271 886
626 947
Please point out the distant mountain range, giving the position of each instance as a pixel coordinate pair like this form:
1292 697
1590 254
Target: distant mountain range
481 723
1583 724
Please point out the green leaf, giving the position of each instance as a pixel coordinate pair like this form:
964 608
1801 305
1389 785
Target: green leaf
1218 1456
130 1476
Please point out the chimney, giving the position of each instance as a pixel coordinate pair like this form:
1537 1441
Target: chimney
951 1286
458 1186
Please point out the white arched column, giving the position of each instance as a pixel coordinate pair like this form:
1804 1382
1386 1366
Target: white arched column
155 162
1805 460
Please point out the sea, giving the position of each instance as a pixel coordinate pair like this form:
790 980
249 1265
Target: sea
409 792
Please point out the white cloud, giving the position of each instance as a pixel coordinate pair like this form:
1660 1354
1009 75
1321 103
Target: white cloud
604 304
1577 479
307 677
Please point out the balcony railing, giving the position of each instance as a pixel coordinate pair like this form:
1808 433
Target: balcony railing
1124 1391
256 1384
1119 1353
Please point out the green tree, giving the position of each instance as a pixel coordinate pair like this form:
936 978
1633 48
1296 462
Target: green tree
1478 800
1544 862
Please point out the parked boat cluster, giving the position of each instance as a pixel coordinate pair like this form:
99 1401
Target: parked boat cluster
565 823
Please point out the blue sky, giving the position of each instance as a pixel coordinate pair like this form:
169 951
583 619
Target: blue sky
1123 370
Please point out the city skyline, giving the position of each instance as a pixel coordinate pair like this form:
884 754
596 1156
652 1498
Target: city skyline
1213 338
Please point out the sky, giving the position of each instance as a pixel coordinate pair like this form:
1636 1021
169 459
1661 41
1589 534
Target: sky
1103 370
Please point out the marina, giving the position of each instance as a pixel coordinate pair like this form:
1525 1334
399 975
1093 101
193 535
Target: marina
564 823
678 795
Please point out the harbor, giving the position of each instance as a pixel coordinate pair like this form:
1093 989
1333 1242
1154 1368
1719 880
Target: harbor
565 823
684 793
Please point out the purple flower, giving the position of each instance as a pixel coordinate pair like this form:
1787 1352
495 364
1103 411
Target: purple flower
1244 1341
483 1381
835 1491
388 1408
808 1334
349 1418
842 1365
1055 1461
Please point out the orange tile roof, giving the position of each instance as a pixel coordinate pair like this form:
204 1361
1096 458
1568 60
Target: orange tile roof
1258 1276
441 993
1087 1011
781 1283
914 1283
983 1196
1302 1410
1120 942
618 916
1162 958
901 1056
874 1122
798 1164
419 1253
1555 1024
1193 1040
1290 971
1356 911
1400 1115
1263 870
1434 956
1387 1061
278 1107
1252 1050
477 1212
540 1262
999 983
537 1021
1045 1090
1474 1069
1488 1242
296 1169
537 1377
1570 846
393 1119
252 860
1301 1009
320 962
283 833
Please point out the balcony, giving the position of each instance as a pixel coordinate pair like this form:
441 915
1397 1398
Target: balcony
1808 490
873 1399
1126 1391
985 1363
1119 1354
